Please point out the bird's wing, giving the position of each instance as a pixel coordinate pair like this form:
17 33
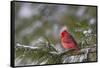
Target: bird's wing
69 39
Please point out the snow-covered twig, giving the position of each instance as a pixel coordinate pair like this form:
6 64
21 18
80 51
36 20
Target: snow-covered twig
26 46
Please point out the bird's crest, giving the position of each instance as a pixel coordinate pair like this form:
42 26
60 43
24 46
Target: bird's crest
64 28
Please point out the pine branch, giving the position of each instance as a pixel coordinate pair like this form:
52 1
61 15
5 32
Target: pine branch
71 52
68 56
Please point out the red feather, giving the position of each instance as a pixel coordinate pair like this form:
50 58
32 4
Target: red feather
68 41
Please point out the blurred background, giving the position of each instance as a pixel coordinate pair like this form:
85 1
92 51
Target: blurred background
34 21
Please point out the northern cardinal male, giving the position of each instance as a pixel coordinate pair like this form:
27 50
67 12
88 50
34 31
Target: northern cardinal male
67 40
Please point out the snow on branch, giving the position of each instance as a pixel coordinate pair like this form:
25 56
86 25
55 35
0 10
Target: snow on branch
81 51
68 56
25 46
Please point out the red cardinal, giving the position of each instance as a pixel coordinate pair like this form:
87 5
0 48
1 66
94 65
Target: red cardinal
67 40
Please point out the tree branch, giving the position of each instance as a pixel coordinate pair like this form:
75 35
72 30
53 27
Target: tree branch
68 56
69 52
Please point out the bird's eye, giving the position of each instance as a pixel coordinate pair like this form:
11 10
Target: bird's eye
64 30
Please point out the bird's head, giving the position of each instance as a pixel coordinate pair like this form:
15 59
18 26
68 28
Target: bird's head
64 30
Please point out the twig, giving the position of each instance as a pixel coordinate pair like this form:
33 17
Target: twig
25 46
